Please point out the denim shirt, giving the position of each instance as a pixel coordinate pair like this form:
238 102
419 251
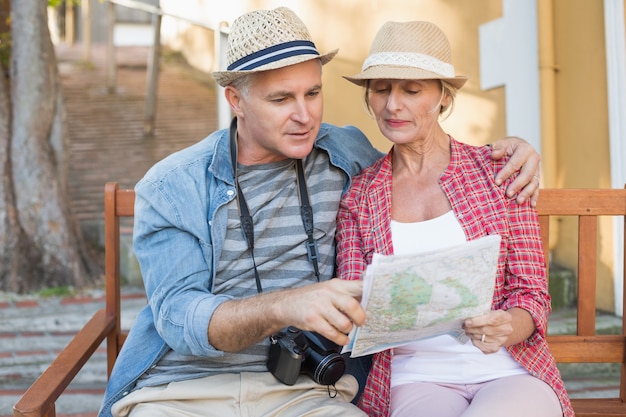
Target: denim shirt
179 231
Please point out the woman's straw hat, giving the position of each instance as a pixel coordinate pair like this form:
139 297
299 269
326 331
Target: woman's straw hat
267 39
409 51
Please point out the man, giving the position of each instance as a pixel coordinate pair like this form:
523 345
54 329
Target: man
235 239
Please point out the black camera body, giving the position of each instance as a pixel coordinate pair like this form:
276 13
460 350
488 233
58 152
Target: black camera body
293 351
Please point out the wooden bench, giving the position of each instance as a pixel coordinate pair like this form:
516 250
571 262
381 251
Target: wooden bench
586 346
40 398
583 347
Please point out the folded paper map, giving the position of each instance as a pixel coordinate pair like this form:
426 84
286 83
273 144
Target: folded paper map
411 297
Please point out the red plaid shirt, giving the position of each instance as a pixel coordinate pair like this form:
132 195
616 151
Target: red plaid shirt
482 208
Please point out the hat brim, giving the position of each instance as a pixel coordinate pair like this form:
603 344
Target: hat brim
389 72
224 78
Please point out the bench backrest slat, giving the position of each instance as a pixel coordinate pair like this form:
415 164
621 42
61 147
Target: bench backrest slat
118 203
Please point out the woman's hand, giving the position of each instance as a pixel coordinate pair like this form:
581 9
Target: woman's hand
491 331
499 328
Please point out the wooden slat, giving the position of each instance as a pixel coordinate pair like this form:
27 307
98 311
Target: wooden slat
595 407
121 340
112 269
587 249
125 204
591 349
580 201
124 207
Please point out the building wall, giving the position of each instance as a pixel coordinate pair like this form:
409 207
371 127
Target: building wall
582 140
581 99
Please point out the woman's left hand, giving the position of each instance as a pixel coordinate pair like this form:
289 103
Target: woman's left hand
491 331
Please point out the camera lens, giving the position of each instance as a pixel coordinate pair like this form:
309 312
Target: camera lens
325 370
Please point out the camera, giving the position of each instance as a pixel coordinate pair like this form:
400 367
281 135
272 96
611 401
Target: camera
294 351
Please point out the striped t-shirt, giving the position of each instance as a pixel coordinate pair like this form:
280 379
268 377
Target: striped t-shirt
271 193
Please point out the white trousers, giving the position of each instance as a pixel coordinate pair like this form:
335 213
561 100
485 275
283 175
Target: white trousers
512 396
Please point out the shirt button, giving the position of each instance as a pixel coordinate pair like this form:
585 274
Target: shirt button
230 192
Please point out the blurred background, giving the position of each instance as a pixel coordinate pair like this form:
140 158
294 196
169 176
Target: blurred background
549 71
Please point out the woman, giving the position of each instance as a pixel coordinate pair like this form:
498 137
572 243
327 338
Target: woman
431 192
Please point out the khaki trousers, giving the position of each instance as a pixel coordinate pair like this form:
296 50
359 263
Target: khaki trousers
249 394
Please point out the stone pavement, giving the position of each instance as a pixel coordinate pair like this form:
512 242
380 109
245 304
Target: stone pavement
33 330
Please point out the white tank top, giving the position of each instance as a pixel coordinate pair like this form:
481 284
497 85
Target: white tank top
441 358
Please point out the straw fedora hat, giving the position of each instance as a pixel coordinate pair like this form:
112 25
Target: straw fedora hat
409 51
267 39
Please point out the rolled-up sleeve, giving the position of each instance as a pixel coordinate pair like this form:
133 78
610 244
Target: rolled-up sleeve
176 260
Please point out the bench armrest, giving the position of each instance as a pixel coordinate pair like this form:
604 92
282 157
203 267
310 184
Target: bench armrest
40 397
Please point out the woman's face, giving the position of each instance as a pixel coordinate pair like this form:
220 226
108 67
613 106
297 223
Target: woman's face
406 110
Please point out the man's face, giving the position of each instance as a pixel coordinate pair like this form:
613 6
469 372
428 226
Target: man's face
280 115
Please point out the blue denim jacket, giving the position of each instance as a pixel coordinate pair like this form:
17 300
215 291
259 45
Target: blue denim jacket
182 198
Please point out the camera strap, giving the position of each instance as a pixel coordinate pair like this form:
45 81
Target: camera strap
247 226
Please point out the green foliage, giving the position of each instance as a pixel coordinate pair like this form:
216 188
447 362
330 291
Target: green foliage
55 3
5 49
62 291
5 37
5 41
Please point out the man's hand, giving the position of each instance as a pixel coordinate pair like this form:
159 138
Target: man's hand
330 308
525 159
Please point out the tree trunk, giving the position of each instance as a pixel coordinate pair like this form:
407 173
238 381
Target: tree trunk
40 241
